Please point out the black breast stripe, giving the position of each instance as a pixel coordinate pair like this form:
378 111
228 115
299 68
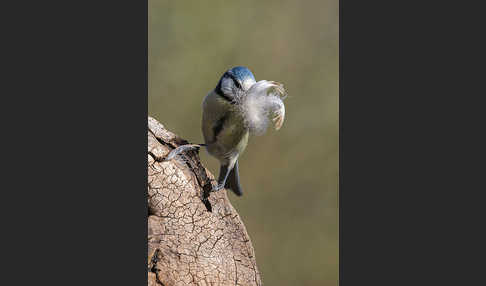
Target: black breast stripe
218 126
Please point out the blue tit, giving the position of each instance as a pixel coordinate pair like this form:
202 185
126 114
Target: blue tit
237 107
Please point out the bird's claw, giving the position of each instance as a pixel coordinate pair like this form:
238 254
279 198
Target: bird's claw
171 155
216 188
181 149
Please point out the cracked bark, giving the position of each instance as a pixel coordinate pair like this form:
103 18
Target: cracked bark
193 238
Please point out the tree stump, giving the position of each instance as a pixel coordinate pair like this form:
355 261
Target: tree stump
194 237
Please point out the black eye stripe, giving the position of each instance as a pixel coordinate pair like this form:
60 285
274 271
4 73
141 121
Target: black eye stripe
235 81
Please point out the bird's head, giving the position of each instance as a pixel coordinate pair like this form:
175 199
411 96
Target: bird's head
234 83
258 102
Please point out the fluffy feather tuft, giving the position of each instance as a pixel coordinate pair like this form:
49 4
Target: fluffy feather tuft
262 104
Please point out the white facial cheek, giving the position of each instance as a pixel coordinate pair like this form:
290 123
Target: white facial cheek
227 85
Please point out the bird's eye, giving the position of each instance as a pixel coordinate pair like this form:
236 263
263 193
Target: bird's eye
229 82
237 83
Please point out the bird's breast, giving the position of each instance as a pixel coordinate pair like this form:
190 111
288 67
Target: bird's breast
223 128
232 138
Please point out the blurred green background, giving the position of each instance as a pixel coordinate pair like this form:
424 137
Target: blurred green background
290 176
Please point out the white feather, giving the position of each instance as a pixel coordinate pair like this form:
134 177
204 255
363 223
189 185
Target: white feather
262 103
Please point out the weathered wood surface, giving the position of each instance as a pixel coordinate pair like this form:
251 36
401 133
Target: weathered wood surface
187 243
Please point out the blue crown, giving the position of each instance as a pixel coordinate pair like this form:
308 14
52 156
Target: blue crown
242 73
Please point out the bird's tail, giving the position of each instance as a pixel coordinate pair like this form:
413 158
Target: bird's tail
233 181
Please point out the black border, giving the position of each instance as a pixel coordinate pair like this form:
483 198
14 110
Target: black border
74 206
408 131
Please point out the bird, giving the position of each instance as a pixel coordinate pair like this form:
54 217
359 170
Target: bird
237 107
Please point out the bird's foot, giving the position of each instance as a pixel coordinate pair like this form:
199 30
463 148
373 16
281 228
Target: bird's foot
216 188
183 148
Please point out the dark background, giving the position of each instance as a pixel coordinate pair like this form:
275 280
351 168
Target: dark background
290 177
